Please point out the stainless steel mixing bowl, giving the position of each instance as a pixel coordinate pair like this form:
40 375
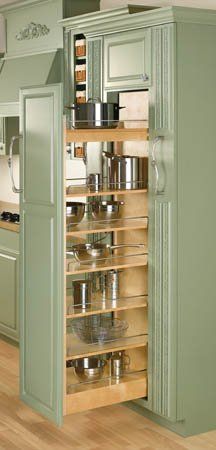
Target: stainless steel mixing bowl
74 212
106 210
89 369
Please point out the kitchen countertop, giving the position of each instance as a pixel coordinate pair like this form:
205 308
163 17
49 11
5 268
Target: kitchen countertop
12 207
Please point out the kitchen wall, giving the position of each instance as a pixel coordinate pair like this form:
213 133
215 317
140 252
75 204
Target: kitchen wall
6 194
108 4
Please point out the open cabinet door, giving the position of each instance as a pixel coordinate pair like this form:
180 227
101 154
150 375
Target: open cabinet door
42 250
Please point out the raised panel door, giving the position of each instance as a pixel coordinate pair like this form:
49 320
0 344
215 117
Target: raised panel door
42 250
127 59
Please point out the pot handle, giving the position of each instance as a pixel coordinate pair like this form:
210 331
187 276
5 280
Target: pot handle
113 156
75 107
94 100
121 107
113 247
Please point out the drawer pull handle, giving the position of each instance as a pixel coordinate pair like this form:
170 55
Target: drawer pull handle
155 164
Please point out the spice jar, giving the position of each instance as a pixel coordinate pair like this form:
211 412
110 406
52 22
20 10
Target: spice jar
81 96
80 72
80 47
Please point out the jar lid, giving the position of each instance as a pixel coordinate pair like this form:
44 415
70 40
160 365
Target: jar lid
80 67
80 42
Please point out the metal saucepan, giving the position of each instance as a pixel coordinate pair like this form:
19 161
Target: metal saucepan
89 369
106 210
94 114
95 252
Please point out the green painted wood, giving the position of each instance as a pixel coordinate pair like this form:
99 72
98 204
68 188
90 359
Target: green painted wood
162 391
190 165
42 251
196 73
45 13
9 282
119 19
127 59
37 69
9 240
94 72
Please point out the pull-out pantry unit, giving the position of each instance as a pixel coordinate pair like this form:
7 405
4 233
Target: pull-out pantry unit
161 319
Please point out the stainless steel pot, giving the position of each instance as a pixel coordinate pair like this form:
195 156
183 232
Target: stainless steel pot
96 252
89 369
94 114
124 171
109 284
106 210
82 293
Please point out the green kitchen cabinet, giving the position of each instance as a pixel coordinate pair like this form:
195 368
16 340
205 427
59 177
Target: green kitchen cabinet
127 59
182 219
9 282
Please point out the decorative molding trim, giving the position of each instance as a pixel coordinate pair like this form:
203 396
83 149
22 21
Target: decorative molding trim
162 54
161 337
31 53
9 109
94 67
21 5
32 31
114 21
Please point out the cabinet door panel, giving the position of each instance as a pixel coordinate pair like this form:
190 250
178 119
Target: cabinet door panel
38 178
42 251
9 293
128 59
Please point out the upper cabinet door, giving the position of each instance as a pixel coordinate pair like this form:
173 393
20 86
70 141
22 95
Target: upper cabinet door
42 250
127 59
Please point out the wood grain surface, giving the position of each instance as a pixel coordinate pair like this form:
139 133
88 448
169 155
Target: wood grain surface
111 428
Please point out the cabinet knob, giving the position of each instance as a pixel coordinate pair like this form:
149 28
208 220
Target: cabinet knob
144 77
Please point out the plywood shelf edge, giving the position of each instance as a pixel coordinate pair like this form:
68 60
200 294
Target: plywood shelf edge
107 135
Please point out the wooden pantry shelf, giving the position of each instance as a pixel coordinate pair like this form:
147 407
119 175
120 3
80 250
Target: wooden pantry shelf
93 226
84 191
107 135
106 392
123 262
78 349
99 306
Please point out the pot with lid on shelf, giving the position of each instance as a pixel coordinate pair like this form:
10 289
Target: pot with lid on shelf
126 171
94 114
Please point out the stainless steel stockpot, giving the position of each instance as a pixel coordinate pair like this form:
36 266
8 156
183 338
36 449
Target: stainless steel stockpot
94 114
125 171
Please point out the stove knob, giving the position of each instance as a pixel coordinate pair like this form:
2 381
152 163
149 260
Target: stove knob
15 217
6 215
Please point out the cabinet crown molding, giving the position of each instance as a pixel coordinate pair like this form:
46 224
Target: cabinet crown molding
122 19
